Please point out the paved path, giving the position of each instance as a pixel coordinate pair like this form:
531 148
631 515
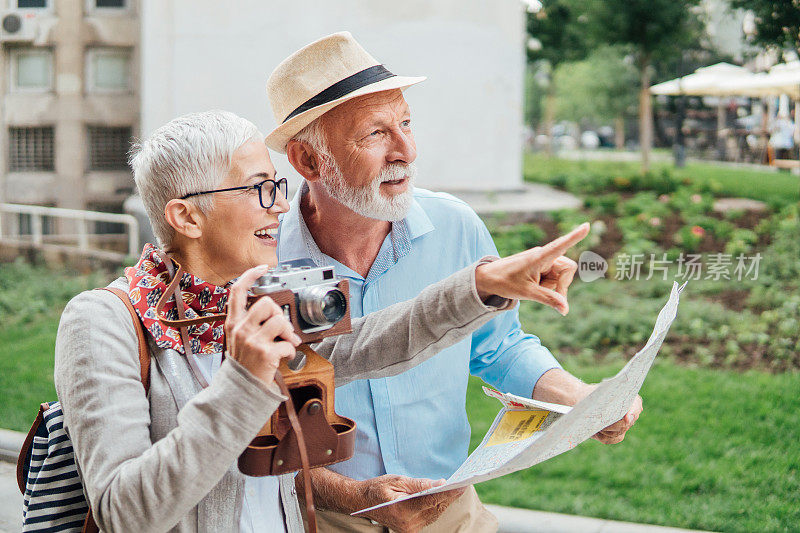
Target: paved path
10 499
612 155
532 198
524 521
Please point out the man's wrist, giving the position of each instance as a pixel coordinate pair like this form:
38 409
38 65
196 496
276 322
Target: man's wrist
335 492
559 386
487 284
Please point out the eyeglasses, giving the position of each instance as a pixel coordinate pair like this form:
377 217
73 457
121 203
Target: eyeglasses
267 191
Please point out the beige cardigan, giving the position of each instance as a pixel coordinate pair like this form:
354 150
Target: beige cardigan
168 461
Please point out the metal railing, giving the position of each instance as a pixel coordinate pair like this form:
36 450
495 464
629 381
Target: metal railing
81 241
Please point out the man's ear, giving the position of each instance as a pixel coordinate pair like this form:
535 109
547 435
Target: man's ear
304 159
184 217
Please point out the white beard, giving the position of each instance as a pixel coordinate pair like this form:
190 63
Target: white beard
368 201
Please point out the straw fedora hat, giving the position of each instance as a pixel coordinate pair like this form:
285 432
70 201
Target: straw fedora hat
320 76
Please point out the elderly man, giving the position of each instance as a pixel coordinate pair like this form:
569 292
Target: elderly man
346 128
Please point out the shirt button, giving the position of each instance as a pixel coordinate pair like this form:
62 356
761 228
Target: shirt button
294 491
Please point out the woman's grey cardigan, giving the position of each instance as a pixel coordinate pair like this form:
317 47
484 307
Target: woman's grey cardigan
168 461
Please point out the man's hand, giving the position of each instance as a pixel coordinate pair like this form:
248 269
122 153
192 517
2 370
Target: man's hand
542 274
559 386
410 515
335 492
615 433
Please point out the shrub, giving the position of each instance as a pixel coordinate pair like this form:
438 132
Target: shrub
586 183
690 237
734 214
645 203
662 182
513 239
28 291
639 227
688 202
606 204
741 242
719 229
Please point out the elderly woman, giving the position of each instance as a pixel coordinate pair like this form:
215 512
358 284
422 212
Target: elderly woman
167 460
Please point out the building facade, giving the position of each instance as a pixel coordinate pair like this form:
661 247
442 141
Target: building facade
70 101
467 117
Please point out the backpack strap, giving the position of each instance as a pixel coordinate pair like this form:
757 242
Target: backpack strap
89 525
144 363
144 352
25 452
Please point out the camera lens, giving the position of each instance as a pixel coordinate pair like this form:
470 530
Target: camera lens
334 305
320 306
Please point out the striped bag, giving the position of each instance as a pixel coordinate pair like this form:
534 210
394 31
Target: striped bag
53 496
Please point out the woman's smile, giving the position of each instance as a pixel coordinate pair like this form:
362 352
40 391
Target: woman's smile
268 235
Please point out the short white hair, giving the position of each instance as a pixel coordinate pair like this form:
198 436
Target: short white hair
313 136
191 153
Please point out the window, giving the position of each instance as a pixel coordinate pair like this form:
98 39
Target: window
32 4
109 70
30 149
120 4
25 222
108 148
31 70
108 7
103 228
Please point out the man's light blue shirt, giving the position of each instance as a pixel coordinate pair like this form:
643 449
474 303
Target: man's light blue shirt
415 424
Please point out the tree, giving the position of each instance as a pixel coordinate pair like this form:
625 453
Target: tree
777 21
653 29
536 82
560 30
598 89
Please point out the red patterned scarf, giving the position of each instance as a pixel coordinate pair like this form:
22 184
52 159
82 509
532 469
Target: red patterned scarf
147 281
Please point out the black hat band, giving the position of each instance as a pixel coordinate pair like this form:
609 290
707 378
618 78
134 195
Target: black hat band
344 87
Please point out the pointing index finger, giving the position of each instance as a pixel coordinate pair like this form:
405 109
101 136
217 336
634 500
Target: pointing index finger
560 245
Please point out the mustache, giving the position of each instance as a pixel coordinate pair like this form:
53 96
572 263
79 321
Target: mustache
397 171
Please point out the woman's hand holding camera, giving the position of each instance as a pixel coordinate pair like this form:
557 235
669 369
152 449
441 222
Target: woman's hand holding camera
260 336
542 274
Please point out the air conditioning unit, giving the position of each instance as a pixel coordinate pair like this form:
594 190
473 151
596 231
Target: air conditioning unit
17 27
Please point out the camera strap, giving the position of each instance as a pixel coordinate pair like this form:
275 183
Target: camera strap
182 324
311 514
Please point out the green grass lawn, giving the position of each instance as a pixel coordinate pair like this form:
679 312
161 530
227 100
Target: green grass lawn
781 187
713 450
31 300
26 371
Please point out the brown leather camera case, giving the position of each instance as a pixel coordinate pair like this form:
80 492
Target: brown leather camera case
275 449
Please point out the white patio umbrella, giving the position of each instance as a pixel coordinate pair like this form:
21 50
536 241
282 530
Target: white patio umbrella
705 81
781 79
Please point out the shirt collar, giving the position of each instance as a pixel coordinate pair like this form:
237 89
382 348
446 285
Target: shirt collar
418 221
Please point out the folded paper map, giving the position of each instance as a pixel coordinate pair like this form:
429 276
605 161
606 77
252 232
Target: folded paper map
527 432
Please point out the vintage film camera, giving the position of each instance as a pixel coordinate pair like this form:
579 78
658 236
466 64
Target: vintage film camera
318 306
316 303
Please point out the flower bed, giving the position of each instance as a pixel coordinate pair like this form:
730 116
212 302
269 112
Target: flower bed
742 322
